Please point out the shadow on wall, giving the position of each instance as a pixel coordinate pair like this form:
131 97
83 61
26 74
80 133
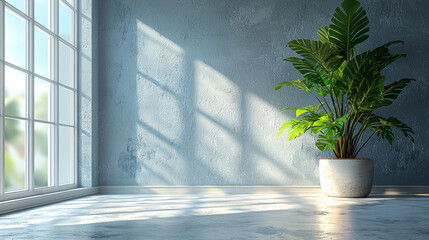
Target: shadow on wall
188 94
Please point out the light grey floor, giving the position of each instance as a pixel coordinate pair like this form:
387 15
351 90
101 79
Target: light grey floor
244 216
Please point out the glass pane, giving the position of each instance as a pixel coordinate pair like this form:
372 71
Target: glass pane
19 4
66 104
43 100
66 23
15 39
42 12
66 65
42 53
71 2
42 154
14 156
66 155
15 97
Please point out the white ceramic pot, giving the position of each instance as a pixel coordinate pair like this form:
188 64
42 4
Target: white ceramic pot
342 177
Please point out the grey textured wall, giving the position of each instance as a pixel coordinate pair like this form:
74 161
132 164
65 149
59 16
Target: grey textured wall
187 91
88 94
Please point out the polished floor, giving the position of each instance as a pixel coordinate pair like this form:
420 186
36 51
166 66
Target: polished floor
242 216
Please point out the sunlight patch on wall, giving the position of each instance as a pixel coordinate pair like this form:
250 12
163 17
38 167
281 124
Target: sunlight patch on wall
264 150
217 96
217 122
160 81
264 127
161 93
218 150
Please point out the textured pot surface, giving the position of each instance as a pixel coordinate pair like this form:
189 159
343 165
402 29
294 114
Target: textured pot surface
346 177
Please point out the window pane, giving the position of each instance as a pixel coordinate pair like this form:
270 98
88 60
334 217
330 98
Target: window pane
42 12
42 154
42 53
66 105
19 4
43 100
14 92
14 156
66 23
15 39
71 2
66 65
66 155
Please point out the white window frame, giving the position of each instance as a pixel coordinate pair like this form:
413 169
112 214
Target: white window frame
30 190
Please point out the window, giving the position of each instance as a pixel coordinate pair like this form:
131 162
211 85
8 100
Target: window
38 59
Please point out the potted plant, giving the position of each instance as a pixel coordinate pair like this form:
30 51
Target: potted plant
349 87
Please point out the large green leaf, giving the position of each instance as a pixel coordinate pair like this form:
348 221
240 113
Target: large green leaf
313 73
297 127
339 83
323 34
383 128
303 85
392 90
365 83
306 109
324 54
369 94
374 60
349 27
321 90
331 132
322 123
311 70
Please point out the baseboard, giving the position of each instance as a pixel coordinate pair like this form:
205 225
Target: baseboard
44 199
300 190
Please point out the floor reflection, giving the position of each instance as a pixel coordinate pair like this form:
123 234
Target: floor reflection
221 216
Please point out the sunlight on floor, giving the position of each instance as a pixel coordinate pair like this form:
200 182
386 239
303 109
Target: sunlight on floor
221 216
174 206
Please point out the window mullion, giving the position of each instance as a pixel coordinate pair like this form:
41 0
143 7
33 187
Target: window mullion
75 94
56 90
30 97
2 31
2 27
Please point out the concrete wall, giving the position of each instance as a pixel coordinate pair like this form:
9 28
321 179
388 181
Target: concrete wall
187 91
88 94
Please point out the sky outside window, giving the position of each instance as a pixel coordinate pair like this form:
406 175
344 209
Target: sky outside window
15 39
42 12
19 4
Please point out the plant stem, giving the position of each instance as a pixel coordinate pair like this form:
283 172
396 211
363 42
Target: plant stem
327 104
331 90
364 143
320 102
355 123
